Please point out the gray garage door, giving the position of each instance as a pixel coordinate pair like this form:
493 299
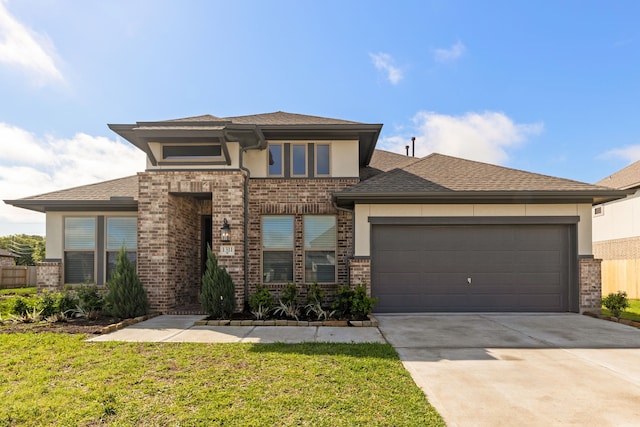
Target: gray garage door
454 268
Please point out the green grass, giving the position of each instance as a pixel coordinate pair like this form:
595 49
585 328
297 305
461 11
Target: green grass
19 291
58 379
8 295
631 313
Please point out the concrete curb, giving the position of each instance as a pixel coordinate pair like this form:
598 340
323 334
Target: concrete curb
613 319
127 322
372 322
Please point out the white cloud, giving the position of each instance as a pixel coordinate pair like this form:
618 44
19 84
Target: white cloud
20 47
33 165
484 137
451 54
385 63
630 153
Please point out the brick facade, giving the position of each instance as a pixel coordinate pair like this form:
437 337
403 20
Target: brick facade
171 205
360 272
297 197
628 248
590 279
49 276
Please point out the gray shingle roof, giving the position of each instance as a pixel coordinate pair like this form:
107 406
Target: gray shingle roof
119 194
441 176
120 187
284 118
628 177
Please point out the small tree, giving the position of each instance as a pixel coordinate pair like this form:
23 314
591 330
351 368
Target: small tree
218 293
126 297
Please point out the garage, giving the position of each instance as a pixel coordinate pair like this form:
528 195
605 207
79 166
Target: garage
474 264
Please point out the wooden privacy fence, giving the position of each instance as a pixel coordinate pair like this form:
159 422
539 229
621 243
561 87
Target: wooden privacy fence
621 275
17 277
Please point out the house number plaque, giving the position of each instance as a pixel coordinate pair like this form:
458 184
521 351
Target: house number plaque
227 250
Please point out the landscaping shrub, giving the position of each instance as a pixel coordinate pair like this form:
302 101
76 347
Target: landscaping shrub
353 303
20 306
125 297
616 303
261 302
90 298
288 306
218 294
48 304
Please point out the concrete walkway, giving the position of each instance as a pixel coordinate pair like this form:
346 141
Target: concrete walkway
524 370
181 329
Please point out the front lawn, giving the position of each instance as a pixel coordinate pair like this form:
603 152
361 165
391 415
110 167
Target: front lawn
59 379
631 313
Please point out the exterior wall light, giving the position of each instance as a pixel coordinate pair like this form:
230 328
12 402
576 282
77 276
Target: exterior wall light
225 231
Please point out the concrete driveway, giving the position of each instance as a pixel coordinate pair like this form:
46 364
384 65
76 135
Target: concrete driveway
521 369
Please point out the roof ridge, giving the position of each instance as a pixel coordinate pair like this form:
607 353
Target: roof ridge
434 154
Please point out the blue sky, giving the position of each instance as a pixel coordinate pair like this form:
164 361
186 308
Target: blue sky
547 86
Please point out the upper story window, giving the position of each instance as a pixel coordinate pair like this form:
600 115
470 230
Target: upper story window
276 163
299 160
192 152
323 160
289 160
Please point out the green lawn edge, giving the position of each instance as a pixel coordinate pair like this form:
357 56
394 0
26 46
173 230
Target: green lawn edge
60 379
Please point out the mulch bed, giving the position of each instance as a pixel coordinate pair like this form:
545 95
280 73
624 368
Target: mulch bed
74 326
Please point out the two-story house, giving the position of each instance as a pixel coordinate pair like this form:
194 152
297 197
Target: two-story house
288 198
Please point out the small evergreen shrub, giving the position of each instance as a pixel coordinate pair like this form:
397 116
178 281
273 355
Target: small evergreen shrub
361 303
616 303
66 301
125 297
20 306
353 303
90 298
218 293
261 302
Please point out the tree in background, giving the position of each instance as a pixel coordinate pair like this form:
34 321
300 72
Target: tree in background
28 248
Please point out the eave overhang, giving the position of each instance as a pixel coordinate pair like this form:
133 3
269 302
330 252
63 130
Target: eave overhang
142 133
117 205
347 199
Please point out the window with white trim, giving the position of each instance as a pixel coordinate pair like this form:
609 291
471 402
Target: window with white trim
319 248
277 249
79 249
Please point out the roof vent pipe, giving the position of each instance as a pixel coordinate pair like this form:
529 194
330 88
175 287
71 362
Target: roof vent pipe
413 146
406 147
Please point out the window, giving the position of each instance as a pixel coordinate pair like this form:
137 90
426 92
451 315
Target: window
121 231
275 160
277 249
299 160
319 248
322 159
191 152
79 249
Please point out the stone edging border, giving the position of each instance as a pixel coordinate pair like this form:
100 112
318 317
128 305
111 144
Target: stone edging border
613 319
372 322
127 322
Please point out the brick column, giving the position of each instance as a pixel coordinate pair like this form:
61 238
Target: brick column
49 276
360 272
590 283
